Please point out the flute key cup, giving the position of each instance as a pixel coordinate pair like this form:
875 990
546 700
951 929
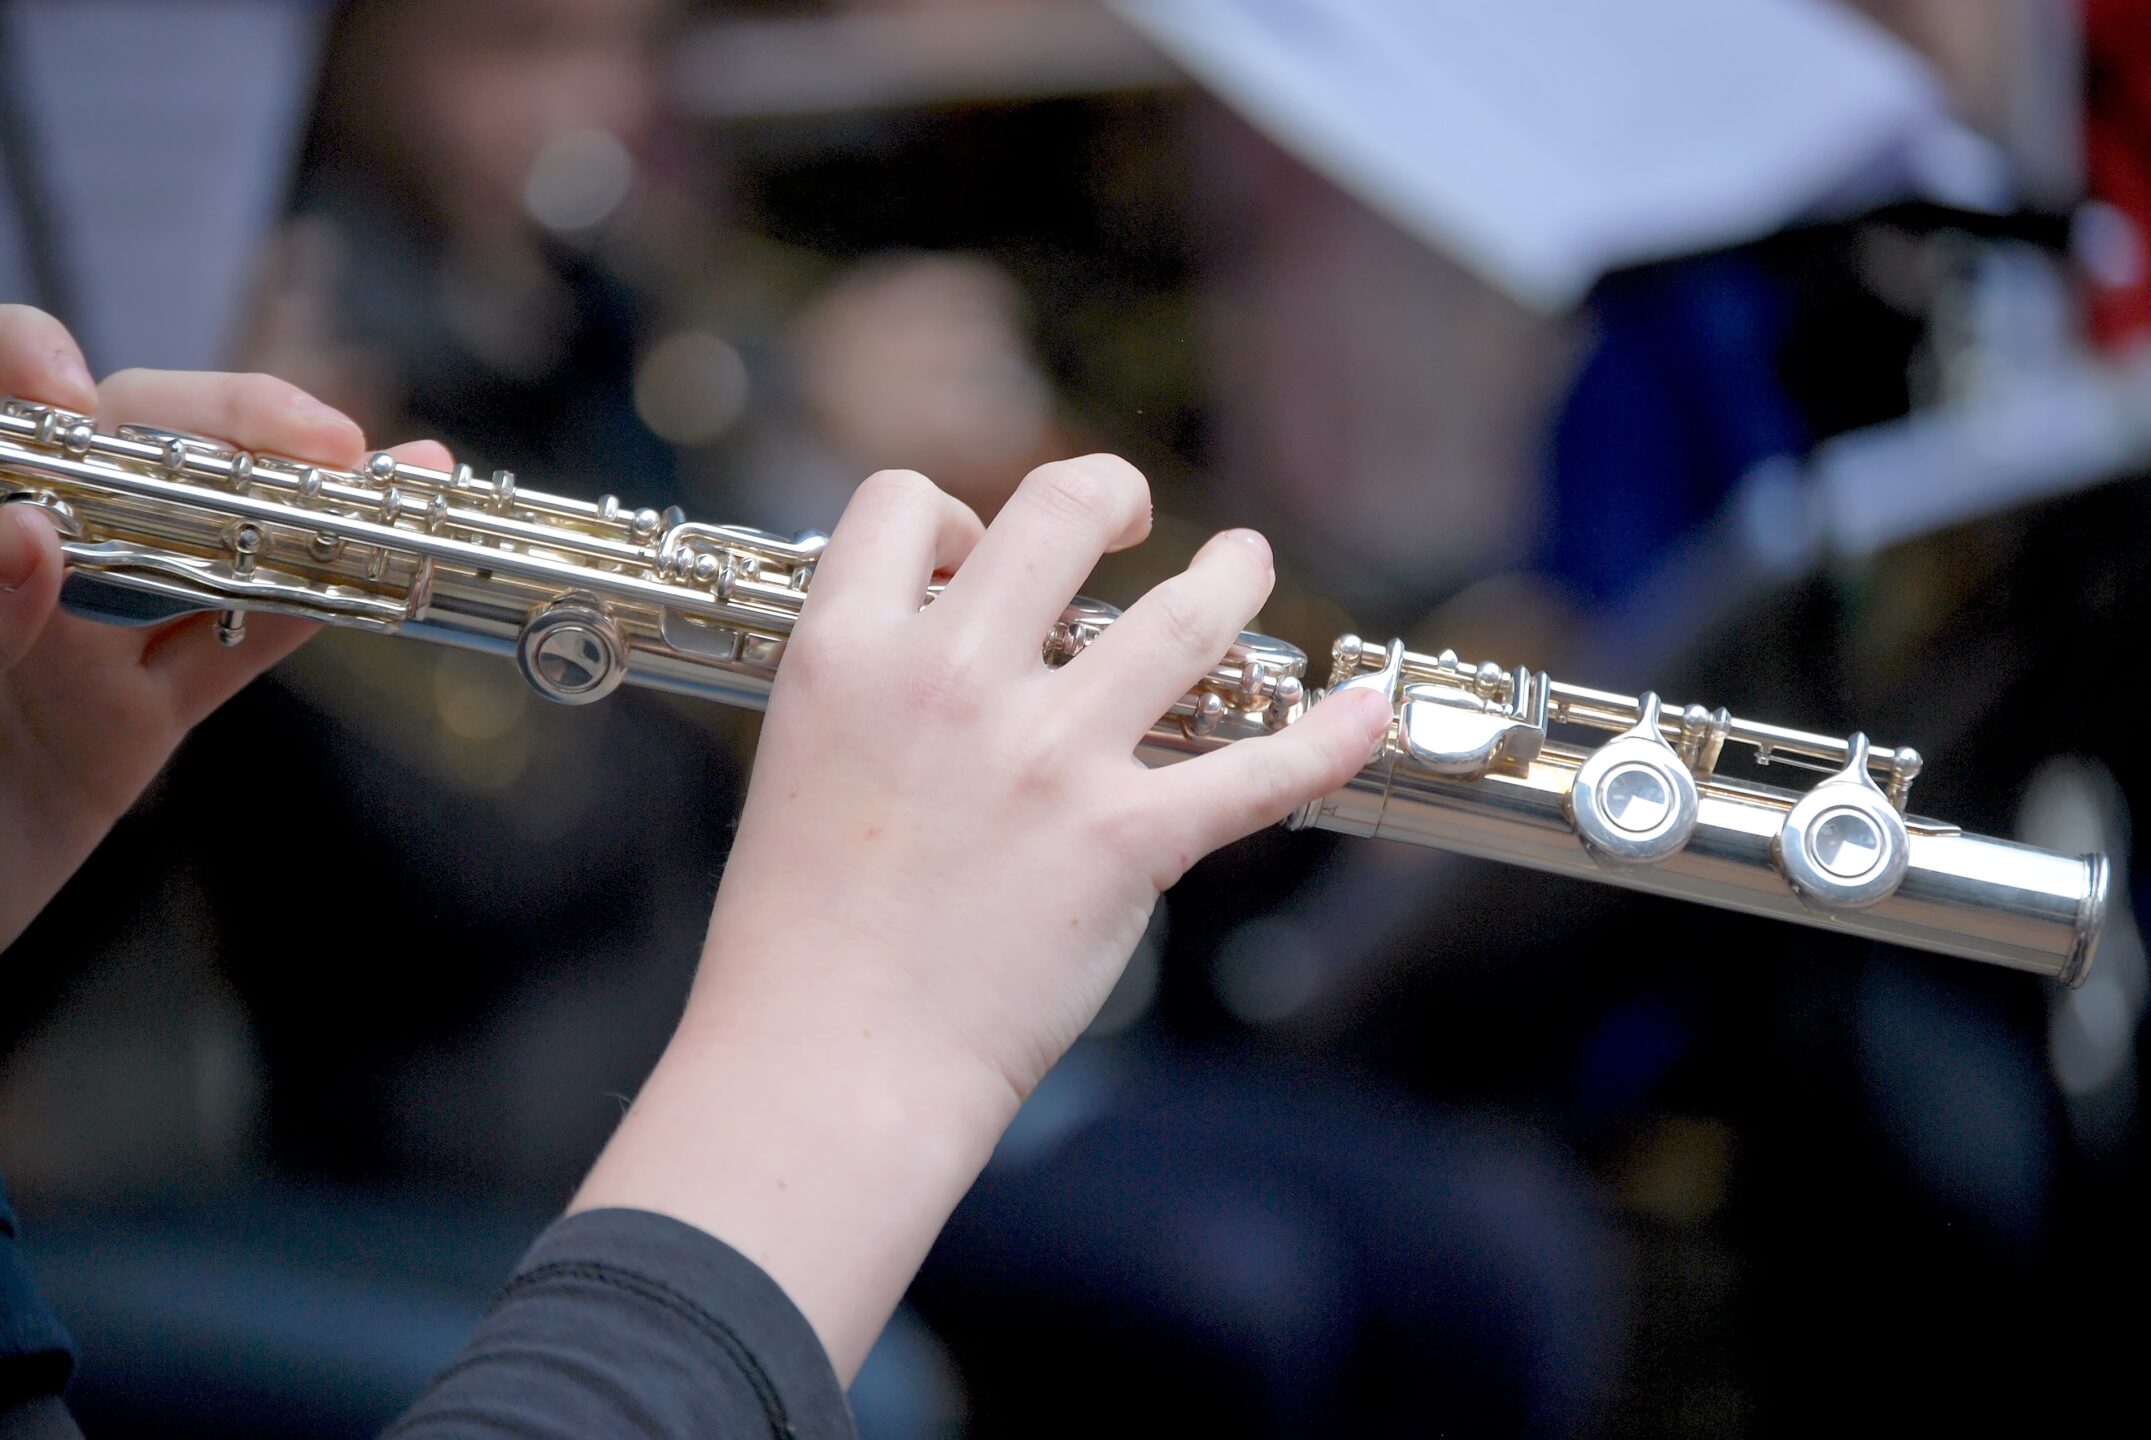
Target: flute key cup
1633 802
1844 846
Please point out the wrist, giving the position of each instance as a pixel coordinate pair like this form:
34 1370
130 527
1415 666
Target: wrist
857 1046
826 1147
856 986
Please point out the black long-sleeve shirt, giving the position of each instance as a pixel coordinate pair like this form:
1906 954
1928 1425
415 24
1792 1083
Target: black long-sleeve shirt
36 1355
623 1323
617 1323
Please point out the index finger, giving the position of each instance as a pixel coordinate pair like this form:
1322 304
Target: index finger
899 530
40 361
253 412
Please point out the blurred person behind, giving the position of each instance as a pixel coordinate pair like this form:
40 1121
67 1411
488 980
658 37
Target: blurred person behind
475 195
421 284
912 358
930 360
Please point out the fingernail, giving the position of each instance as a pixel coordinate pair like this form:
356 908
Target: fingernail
19 550
1253 540
69 371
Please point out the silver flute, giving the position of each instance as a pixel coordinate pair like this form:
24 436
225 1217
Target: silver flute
1505 764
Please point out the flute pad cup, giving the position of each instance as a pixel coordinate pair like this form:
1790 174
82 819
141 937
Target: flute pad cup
1844 846
1633 801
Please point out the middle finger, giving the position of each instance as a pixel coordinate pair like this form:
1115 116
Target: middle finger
1045 542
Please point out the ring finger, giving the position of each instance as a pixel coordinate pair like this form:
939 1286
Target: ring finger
1168 640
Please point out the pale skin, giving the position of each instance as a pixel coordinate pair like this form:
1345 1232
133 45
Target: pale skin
90 713
947 854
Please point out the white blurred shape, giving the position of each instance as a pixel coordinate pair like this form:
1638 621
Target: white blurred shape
1959 167
1775 518
1266 971
691 388
164 136
2075 805
2107 245
1544 142
578 179
2092 1033
2079 423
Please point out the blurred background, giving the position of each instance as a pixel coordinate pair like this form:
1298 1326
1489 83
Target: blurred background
1784 354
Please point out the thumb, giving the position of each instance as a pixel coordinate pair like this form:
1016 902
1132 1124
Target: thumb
29 579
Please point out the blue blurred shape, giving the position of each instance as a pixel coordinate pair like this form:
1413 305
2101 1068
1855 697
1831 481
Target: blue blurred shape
1625 1056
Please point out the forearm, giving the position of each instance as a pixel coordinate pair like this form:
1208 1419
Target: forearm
797 1125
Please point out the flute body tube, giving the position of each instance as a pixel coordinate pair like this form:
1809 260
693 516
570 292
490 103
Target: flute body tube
1509 765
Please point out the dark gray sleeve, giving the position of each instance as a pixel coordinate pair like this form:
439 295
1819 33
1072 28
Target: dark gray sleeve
627 1324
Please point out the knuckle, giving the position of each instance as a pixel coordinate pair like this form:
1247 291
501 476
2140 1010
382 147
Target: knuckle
1270 778
1186 622
1070 493
254 396
943 685
963 522
818 657
897 487
1079 493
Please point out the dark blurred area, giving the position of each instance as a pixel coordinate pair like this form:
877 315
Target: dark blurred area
1369 1140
